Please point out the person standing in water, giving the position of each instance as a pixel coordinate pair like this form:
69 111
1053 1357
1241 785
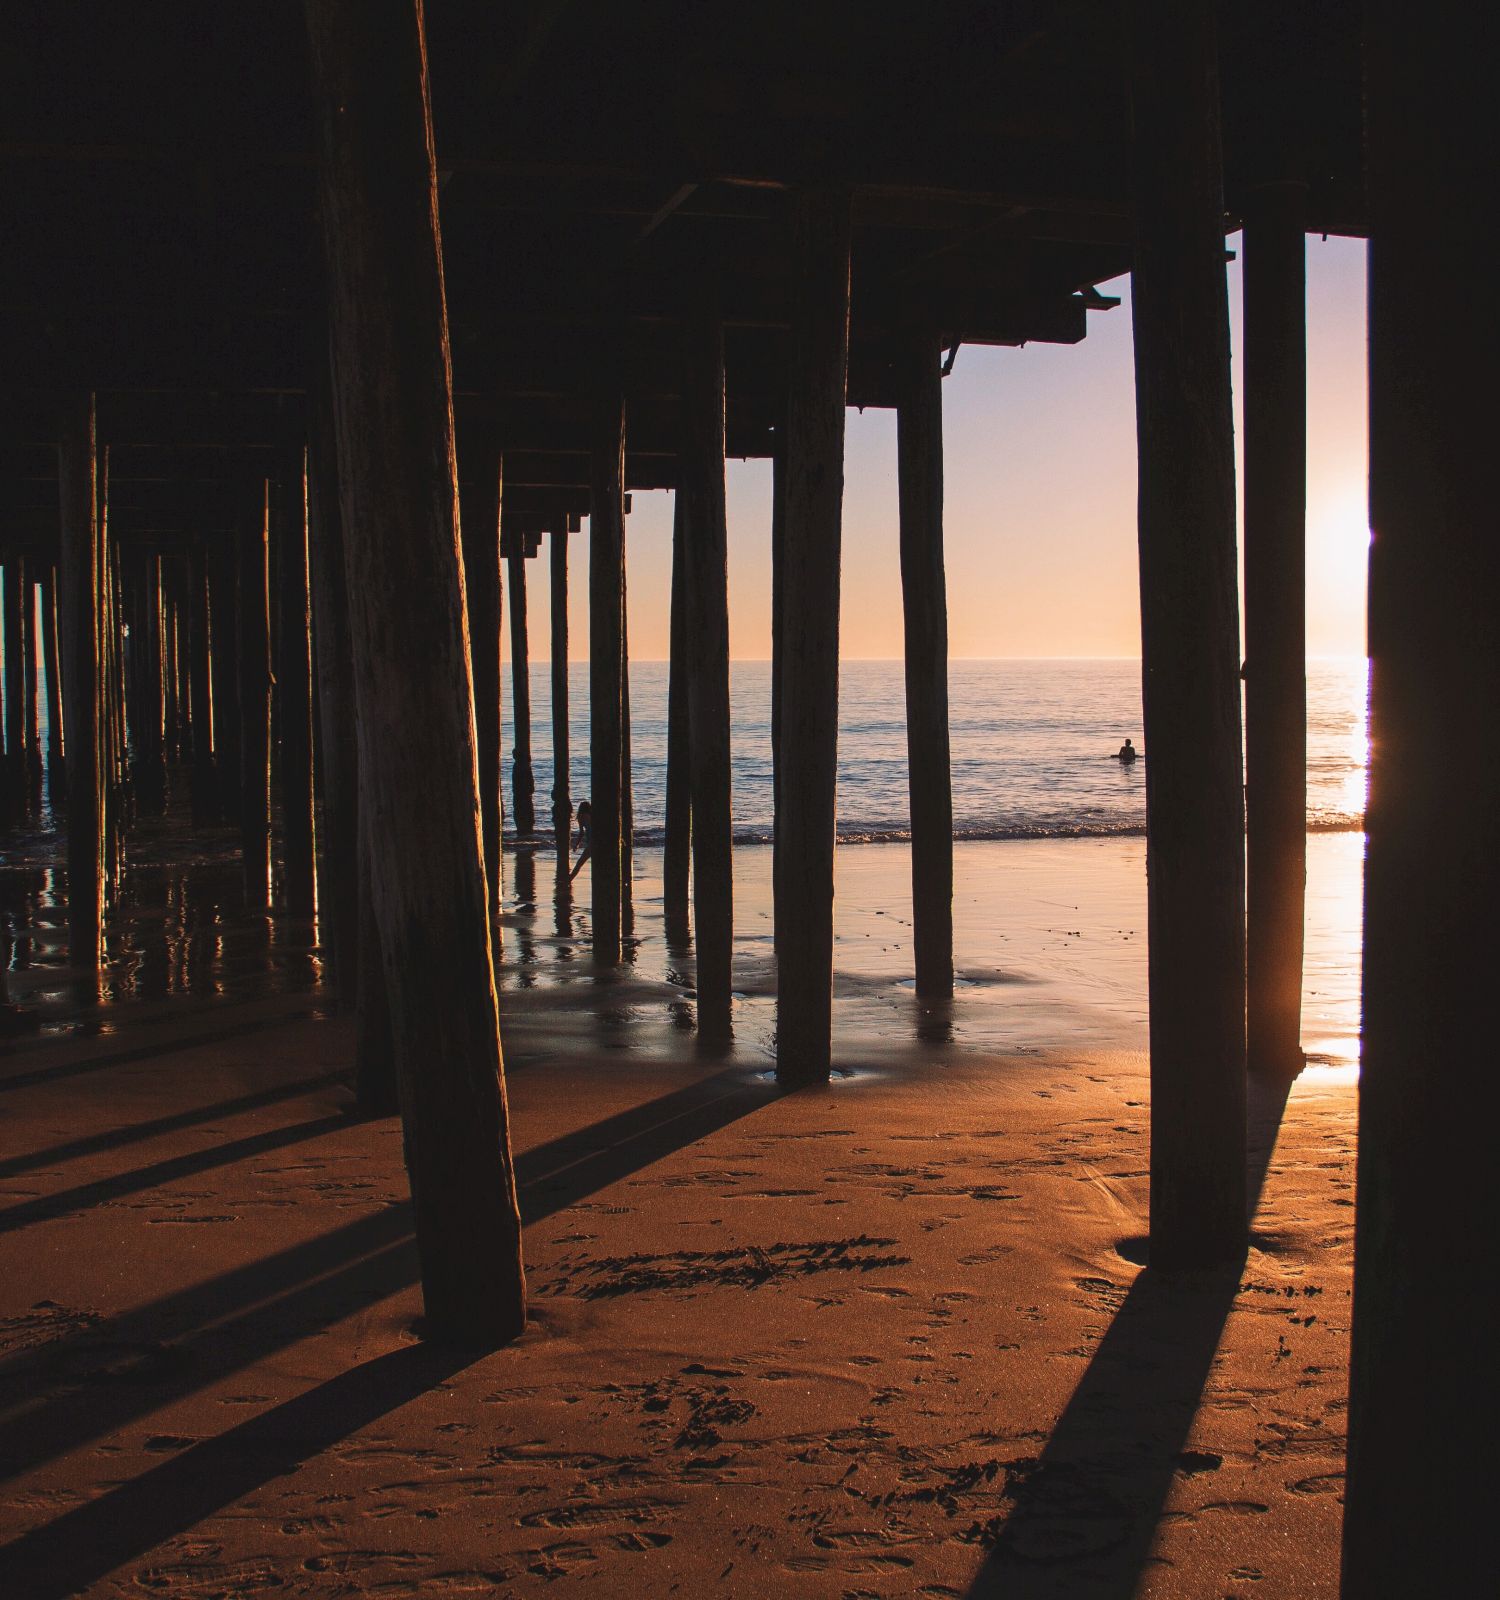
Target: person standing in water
1126 753
585 836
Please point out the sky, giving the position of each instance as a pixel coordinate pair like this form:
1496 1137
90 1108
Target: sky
1039 516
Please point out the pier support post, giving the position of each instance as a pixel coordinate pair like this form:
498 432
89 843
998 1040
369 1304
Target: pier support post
562 802
150 765
483 589
255 698
338 883
17 787
924 596
29 654
1428 1094
78 608
523 784
1275 412
57 783
606 630
224 647
1195 820
677 851
294 689
200 690
810 630
708 676
393 410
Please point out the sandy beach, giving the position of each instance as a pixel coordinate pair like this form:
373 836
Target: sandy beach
889 1338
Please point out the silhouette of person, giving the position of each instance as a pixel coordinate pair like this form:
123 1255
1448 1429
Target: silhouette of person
585 836
1126 753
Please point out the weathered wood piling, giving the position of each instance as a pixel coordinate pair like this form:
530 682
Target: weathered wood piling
78 608
677 849
562 802
523 784
924 596
606 692
294 688
393 412
1421 1374
255 695
1195 818
707 627
483 592
808 746
1275 411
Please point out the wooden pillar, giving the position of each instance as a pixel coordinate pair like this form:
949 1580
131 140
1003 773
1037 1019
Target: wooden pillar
338 884
15 689
255 699
224 647
924 596
56 766
393 409
778 653
1423 1357
150 766
1275 417
78 610
606 626
294 689
523 784
677 852
482 585
172 730
118 703
707 571
205 794
112 721
562 801
810 631
627 776
29 669
1195 821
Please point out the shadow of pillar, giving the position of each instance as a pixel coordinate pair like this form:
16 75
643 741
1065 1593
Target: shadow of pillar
1083 1514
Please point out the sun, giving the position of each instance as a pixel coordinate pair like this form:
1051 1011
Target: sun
1338 563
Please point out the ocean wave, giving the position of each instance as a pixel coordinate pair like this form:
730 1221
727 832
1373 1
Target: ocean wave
851 833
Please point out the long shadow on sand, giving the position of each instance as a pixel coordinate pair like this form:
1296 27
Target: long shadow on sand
101 1376
137 1132
1085 1511
98 1191
157 1047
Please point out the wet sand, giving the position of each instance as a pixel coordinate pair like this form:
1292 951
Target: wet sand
892 1337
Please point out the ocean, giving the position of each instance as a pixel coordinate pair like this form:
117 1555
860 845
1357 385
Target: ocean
1030 747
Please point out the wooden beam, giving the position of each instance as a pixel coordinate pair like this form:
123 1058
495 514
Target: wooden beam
398 476
810 625
1195 820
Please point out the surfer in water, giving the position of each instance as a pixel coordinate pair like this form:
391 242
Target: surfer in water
1126 753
